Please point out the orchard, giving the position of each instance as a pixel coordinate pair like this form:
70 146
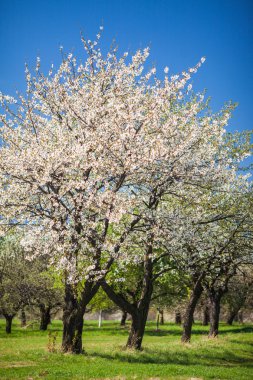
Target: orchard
121 190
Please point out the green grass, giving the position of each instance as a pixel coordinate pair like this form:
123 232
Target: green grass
24 354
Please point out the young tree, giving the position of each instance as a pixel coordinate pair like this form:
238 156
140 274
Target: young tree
101 303
48 298
239 291
16 279
169 291
216 250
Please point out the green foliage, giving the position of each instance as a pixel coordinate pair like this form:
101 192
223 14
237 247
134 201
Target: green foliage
101 302
170 289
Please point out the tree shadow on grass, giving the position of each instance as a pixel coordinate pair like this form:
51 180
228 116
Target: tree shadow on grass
237 330
113 329
149 356
199 331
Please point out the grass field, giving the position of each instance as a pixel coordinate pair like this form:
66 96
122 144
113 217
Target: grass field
24 354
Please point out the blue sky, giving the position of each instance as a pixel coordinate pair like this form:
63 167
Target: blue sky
179 33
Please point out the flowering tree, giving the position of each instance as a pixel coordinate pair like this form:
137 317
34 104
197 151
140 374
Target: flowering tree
239 295
183 234
213 248
87 155
17 279
236 253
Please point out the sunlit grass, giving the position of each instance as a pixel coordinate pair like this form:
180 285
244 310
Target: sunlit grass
24 354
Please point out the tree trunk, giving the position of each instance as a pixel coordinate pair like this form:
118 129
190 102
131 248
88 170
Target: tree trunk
100 318
72 323
215 298
73 312
139 317
206 318
8 326
137 328
138 310
157 320
178 318
240 316
123 318
72 331
23 317
45 317
161 317
231 316
135 310
188 317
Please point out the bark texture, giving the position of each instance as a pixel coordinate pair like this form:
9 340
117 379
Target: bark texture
137 328
215 298
73 312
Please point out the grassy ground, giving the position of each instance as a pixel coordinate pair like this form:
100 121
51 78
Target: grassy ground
24 354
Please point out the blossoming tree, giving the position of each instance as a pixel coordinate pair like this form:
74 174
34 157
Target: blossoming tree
88 151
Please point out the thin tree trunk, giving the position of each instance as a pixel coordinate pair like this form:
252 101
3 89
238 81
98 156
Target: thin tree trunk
100 318
215 298
8 319
45 317
188 317
206 318
23 317
240 316
157 320
139 318
178 318
123 318
231 316
161 317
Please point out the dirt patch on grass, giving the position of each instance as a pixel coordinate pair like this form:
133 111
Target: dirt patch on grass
17 364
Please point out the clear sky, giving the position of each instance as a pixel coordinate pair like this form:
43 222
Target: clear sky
179 33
